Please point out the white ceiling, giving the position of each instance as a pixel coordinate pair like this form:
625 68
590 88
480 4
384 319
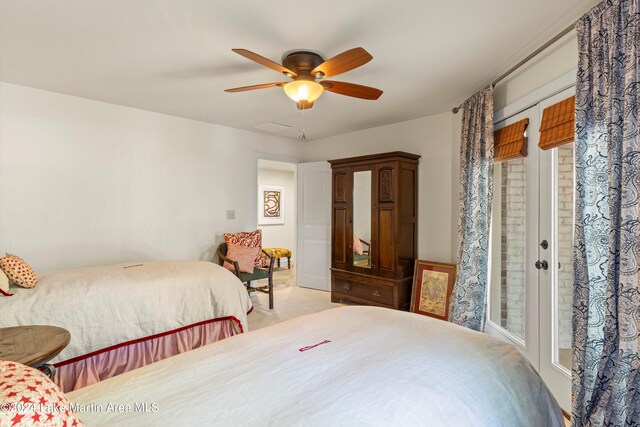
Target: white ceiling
175 57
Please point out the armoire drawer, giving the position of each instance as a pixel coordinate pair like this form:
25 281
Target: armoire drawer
376 293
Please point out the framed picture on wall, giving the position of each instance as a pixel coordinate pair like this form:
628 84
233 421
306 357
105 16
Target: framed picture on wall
432 286
270 204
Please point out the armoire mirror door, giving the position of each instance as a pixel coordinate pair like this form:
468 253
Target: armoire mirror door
362 247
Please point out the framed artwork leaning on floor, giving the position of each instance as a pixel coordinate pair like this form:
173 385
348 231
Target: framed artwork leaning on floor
432 286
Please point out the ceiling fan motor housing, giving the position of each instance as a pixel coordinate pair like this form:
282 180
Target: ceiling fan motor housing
302 63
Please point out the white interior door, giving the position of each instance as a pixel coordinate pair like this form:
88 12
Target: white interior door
531 254
314 225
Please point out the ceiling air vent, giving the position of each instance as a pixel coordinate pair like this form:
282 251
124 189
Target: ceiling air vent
272 127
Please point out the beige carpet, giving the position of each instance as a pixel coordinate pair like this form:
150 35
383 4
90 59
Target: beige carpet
289 301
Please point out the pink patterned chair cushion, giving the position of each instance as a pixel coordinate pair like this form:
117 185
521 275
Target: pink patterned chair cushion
252 239
18 271
29 398
244 255
357 245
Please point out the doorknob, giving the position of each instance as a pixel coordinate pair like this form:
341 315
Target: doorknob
542 265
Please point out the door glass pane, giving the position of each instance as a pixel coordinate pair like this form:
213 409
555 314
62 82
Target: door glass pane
564 220
508 282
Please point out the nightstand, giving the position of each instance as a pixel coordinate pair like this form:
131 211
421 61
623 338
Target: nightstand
33 345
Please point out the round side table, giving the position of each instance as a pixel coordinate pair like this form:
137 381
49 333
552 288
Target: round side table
33 345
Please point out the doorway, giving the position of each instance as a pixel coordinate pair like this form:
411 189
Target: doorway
531 274
276 216
303 190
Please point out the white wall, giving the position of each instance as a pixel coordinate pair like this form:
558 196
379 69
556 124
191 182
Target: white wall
85 183
456 126
432 138
281 235
555 61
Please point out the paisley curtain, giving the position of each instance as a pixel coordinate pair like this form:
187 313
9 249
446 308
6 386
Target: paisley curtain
606 299
469 295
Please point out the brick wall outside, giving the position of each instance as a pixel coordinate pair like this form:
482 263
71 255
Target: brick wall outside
513 245
565 243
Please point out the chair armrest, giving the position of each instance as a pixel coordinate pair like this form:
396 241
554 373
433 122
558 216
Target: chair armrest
368 244
271 261
223 258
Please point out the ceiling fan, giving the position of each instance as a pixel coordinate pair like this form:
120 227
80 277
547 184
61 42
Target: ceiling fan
306 67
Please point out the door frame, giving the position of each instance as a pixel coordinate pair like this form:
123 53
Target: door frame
282 159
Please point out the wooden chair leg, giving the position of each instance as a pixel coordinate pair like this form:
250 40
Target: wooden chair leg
289 262
278 260
271 292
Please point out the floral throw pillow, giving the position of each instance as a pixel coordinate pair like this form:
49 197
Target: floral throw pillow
252 239
263 260
18 271
29 398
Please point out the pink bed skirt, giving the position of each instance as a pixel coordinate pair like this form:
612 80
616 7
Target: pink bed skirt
82 371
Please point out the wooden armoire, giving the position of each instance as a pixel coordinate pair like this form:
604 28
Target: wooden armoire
374 229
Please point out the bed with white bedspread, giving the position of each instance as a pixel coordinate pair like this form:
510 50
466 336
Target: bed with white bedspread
344 366
110 307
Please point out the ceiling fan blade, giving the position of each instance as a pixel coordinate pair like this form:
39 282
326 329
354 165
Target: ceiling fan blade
264 61
253 87
350 89
346 61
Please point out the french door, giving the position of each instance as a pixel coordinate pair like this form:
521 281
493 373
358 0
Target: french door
531 273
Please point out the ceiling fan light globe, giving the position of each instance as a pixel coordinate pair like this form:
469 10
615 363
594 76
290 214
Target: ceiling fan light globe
303 90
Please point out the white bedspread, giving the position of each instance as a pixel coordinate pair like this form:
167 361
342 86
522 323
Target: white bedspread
380 368
107 305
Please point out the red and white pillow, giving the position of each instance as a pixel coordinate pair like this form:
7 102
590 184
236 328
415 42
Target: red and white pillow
18 271
251 239
244 255
29 398
4 285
